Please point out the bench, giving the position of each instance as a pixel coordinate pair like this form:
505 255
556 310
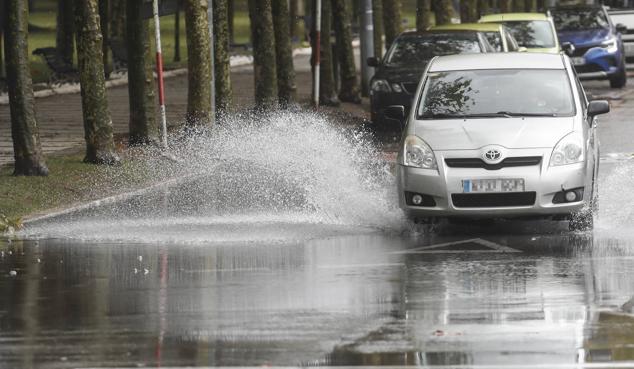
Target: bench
62 70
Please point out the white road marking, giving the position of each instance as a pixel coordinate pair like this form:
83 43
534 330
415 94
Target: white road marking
433 249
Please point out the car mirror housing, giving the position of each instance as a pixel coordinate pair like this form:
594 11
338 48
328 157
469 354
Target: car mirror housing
372 61
568 48
395 112
597 107
621 28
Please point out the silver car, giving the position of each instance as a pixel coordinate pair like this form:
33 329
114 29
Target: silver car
499 136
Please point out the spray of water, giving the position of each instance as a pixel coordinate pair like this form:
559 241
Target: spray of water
615 213
254 176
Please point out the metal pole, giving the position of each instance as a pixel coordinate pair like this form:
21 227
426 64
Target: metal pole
316 51
210 21
159 73
367 44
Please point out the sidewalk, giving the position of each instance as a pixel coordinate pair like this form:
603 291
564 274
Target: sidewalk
60 116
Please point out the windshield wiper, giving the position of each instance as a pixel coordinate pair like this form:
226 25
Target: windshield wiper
514 114
465 116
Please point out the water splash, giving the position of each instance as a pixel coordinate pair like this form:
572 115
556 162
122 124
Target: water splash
615 211
250 179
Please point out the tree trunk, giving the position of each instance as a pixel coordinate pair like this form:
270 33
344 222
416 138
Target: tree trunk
198 63
518 6
97 123
143 125
27 151
3 73
286 88
64 40
117 19
292 19
377 19
531 6
444 11
468 11
221 57
350 90
264 64
327 89
391 20
506 6
177 32
423 9
483 7
104 16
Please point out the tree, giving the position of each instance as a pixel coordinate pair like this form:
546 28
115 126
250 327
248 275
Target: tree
519 5
423 9
391 20
221 57
350 91
443 10
232 14
104 15
65 32
531 6
292 20
143 125
27 150
327 89
468 11
117 19
483 7
198 63
377 19
506 6
3 74
177 32
98 131
264 65
286 89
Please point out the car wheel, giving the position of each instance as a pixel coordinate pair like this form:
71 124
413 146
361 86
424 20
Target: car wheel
619 79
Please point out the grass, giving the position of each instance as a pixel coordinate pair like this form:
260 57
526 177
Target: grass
71 182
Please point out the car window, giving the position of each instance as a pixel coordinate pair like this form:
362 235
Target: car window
510 42
532 34
494 40
456 94
579 19
416 49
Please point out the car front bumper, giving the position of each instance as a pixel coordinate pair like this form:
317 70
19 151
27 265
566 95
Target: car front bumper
597 63
541 179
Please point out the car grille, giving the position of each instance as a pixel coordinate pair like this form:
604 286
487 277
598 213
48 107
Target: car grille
581 51
588 68
493 200
520 161
409 87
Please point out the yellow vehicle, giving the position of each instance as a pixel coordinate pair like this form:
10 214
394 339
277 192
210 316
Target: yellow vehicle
534 31
498 35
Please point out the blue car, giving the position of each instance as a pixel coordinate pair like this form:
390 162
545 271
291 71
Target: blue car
598 51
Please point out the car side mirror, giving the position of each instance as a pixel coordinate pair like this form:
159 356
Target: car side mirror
372 61
568 48
621 28
395 112
597 107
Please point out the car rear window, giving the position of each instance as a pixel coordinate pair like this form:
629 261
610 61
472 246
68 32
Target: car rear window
505 92
532 34
416 49
580 19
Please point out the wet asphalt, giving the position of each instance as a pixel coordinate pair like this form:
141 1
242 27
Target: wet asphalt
90 290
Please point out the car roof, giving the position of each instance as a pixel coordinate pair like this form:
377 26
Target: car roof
497 61
512 17
436 32
480 27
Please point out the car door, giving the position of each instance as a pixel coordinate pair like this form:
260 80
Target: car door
591 122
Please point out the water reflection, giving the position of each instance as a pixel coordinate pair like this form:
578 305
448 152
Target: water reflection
347 300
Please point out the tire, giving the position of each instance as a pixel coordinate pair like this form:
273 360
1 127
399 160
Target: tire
619 79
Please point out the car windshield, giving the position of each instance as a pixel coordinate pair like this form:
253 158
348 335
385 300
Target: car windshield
580 19
410 50
532 34
496 93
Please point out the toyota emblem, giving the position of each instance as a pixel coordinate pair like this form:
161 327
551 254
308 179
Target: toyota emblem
492 155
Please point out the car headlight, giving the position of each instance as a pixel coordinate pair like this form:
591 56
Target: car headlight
610 45
416 153
569 150
380 85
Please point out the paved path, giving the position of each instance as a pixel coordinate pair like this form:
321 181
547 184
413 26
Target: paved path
60 116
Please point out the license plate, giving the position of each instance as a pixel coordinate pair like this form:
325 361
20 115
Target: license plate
578 60
493 185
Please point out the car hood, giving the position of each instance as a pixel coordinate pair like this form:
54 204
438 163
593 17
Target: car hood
584 37
512 133
401 74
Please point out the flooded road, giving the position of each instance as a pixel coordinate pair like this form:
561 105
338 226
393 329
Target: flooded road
296 262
